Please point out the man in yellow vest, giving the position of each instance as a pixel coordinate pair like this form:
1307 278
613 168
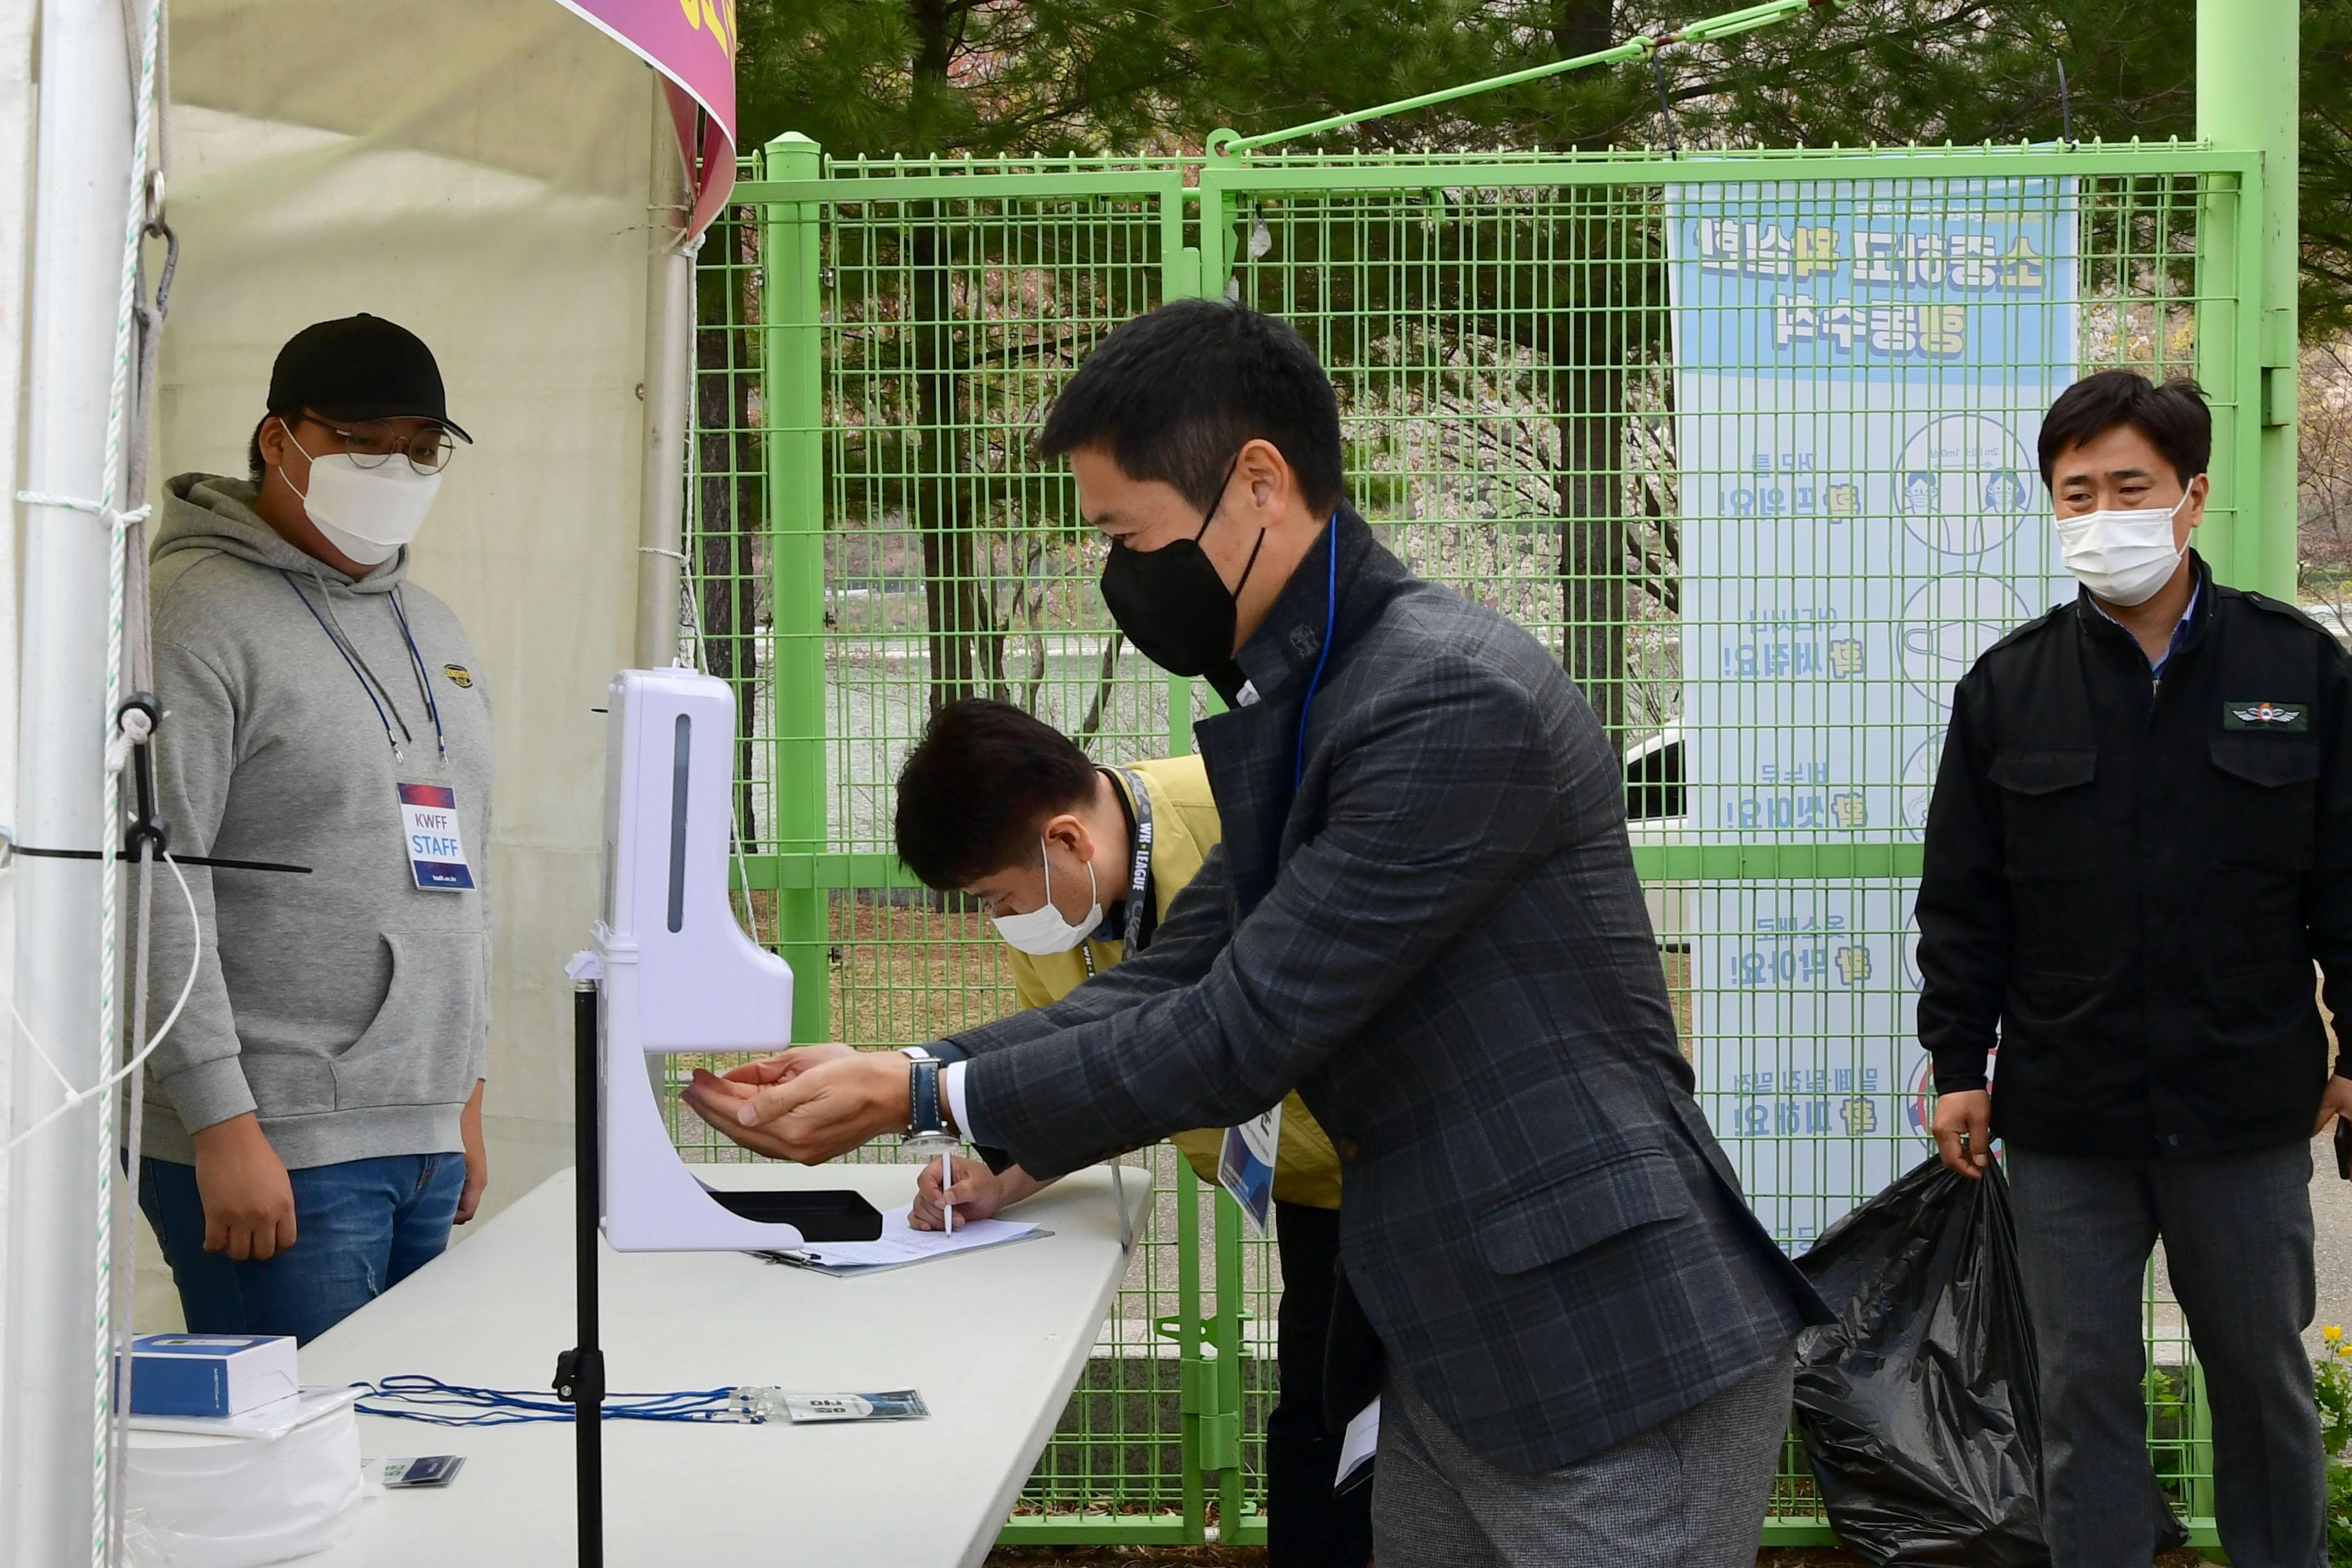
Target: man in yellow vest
1005 809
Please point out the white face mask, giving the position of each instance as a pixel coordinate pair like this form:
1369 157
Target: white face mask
366 513
2123 557
1043 931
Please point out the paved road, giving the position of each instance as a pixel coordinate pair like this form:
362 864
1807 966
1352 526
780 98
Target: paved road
2331 1214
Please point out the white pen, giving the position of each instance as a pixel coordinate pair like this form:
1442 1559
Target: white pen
947 1176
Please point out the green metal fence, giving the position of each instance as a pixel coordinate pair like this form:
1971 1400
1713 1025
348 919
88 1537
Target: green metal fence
1745 438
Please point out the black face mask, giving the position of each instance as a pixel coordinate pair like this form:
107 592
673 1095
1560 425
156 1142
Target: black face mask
1170 601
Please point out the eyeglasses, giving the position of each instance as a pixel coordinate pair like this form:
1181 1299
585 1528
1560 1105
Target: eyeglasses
371 443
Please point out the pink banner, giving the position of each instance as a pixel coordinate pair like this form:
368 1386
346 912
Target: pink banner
692 43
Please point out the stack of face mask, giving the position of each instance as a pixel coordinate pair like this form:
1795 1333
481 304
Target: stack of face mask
239 1502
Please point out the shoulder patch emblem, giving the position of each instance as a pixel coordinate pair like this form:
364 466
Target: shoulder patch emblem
2277 717
458 674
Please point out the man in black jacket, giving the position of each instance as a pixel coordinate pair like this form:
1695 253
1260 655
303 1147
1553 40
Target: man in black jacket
2140 841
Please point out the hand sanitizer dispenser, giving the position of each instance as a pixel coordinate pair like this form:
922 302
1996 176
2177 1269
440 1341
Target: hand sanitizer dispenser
679 974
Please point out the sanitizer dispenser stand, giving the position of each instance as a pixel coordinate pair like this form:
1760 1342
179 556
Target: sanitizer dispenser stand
679 974
670 971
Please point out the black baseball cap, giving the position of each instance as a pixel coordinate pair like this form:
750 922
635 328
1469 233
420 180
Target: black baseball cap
361 367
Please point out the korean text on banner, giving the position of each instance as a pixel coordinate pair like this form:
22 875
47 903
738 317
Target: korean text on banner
1861 369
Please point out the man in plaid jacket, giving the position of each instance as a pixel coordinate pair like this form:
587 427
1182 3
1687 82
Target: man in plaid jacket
1424 918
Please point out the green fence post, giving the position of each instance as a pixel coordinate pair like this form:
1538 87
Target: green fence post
2199 1489
791 383
1195 1379
2247 90
1220 1435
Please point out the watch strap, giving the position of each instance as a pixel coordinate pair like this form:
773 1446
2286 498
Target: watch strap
924 1117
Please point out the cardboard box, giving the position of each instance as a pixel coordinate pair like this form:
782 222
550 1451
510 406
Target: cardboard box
209 1374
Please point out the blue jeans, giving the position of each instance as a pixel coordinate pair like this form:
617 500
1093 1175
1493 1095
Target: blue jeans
360 1229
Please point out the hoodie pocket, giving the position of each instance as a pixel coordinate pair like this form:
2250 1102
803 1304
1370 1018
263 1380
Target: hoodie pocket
417 1049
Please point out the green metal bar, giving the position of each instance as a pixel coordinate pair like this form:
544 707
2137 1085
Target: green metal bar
1774 862
2247 93
1389 170
1654 862
791 384
1191 1366
2227 266
1638 48
1066 1529
1220 1435
1857 164
778 187
2200 1445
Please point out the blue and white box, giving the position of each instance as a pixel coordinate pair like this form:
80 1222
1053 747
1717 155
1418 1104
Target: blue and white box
209 1374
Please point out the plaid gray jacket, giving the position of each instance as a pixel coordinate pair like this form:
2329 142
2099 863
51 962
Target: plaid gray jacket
1438 939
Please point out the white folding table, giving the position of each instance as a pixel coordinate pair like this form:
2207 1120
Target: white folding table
994 1340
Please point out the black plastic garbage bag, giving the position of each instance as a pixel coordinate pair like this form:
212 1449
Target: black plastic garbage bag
1919 1405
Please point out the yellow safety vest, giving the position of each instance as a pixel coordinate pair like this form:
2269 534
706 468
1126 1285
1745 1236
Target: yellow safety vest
1184 828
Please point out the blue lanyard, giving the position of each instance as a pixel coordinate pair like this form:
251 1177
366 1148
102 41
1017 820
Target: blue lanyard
416 659
424 676
1330 621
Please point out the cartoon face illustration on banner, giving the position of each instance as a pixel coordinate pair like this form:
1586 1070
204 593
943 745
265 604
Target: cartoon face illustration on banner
1918 782
1959 483
1949 621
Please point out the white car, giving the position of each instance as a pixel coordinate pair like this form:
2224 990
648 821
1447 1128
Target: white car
1657 813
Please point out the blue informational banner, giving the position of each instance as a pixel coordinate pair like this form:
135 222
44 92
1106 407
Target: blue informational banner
1950 283
1861 372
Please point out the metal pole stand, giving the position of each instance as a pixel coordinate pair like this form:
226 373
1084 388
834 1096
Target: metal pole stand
579 1371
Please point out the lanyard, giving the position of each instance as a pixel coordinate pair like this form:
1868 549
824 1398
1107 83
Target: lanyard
416 662
1139 880
1330 623
424 676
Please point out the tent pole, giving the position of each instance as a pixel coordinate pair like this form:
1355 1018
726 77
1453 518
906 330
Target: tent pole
81 182
669 327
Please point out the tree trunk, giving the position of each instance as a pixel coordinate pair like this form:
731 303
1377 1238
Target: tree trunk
1589 403
966 656
731 510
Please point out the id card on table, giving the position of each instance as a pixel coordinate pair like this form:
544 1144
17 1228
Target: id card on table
1245 1166
435 849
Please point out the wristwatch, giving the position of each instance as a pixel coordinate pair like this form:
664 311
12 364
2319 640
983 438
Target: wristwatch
927 1124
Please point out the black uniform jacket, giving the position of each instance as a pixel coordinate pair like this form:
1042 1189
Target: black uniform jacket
2128 879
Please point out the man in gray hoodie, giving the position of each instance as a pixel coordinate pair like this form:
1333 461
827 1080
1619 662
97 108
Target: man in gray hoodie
318 1124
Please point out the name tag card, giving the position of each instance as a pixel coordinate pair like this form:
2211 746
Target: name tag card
1245 1166
437 852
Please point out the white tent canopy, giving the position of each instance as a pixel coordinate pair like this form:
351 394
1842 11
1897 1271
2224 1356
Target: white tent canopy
496 176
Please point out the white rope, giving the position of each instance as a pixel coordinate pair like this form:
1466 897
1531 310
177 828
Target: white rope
95 508
117 416
78 1097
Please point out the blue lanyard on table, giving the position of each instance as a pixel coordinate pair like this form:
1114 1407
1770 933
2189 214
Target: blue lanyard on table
417 661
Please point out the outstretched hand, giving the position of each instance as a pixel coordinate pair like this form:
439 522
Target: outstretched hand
718 1098
832 1106
807 1104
